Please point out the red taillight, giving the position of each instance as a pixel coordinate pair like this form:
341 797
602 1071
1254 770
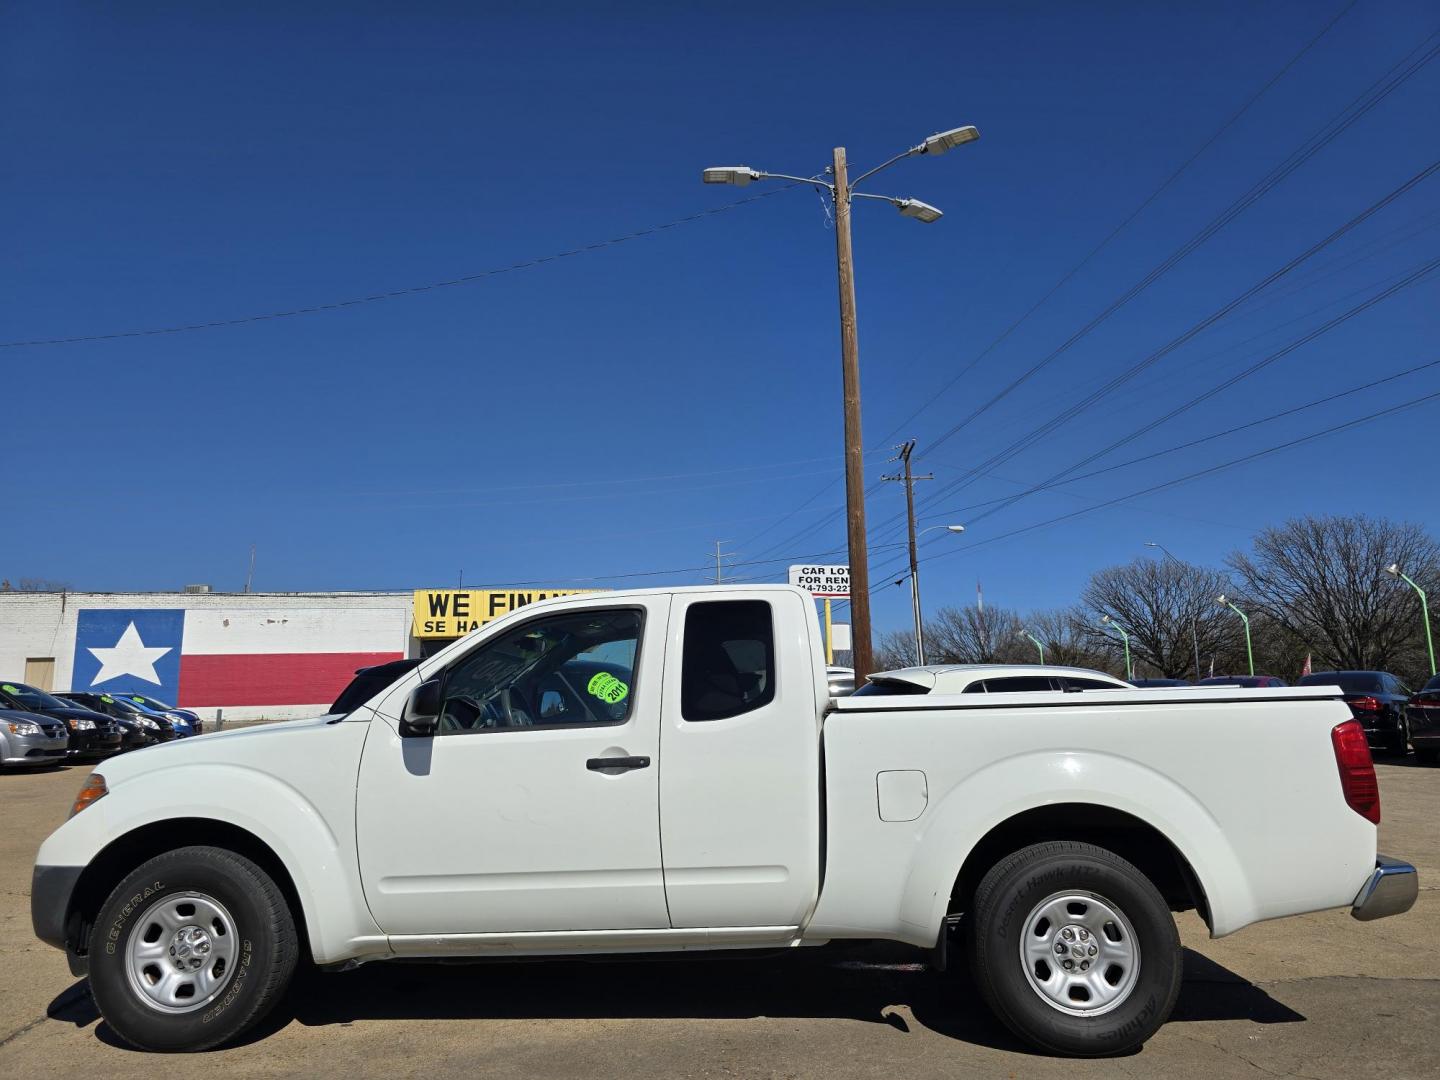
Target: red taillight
1357 771
1363 704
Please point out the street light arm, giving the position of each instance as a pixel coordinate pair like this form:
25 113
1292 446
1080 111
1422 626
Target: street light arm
885 165
815 180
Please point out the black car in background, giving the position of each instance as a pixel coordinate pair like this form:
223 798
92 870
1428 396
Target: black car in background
141 730
91 733
1152 684
1423 713
1377 699
1248 681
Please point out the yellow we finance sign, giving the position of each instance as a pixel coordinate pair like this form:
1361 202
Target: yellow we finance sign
451 613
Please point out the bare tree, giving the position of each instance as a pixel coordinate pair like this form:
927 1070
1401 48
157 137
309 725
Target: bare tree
969 635
895 649
1323 580
1065 641
1168 608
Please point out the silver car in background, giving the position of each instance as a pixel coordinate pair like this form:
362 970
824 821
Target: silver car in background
31 739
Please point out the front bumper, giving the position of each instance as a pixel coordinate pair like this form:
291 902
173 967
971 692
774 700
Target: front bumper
1391 889
35 749
50 890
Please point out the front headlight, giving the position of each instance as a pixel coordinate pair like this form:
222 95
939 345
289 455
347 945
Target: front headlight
82 725
24 727
145 721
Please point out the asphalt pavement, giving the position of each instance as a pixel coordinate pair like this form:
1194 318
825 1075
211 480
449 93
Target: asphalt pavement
1317 996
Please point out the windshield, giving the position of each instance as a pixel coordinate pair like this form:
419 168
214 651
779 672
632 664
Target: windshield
30 698
1352 682
1433 684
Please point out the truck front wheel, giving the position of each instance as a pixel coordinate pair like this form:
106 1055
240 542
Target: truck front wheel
190 950
1074 949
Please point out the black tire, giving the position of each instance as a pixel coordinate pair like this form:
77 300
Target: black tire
1004 902
264 947
1400 741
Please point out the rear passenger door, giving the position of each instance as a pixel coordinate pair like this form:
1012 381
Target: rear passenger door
740 765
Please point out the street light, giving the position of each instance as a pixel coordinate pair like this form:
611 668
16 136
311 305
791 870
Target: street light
1038 645
1194 636
1223 601
1108 621
842 193
1394 570
915 587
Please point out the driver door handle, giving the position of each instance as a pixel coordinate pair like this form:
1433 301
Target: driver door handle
598 763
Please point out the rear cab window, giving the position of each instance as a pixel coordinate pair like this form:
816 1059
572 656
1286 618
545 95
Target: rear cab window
728 664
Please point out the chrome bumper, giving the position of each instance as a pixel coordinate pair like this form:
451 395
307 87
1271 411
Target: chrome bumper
1391 889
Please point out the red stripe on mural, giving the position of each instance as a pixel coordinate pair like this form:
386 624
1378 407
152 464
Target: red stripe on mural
270 679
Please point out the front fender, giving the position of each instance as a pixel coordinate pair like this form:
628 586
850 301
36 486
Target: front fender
318 849
1009 787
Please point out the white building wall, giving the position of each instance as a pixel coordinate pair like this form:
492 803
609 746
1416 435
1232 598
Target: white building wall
235 625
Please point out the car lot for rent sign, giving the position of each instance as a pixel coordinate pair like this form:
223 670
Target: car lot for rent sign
829 581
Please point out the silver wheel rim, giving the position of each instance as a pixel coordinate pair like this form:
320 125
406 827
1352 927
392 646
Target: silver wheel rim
181 954
1080 953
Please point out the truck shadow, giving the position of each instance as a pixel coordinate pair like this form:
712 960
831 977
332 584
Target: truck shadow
882 984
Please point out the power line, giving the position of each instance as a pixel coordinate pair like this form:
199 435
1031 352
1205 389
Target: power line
375 298
1210 470
1118 229
1412 278
1268 418
1369 99
1055 422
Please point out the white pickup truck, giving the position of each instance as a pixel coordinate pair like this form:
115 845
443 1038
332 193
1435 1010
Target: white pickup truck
660 771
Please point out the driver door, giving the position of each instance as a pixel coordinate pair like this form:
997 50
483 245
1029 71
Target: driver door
515 816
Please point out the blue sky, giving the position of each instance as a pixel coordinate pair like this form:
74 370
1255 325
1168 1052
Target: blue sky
618 411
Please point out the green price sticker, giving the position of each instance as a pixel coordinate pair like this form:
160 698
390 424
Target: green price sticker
107 699
608 688
10 689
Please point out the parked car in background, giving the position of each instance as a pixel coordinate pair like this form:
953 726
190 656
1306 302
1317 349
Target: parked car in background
149 729
91 734
1154 684
29 739
988 679
1377 699
1250 682
197 726
841 680
1423 713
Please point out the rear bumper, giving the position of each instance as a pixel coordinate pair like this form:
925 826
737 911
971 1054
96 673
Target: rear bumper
1391 889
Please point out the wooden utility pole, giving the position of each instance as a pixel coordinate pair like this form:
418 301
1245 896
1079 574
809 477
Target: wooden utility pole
909 479
861 656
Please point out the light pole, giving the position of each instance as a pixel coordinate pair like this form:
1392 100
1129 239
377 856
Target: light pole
1108 621
842 193
1394 570
915 582
1036 640
1194 636
1223 601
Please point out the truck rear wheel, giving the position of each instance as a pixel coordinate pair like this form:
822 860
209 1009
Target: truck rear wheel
1074 949
190 950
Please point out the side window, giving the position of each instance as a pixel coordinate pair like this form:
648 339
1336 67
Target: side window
729 660
570 670
1070 683
1019 684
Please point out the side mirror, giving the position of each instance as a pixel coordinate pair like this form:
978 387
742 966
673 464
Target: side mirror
421 715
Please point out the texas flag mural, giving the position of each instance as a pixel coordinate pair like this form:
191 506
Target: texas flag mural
208 658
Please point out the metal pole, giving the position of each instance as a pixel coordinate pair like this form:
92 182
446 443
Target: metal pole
1038 646
914 561
829 635
1249 652
854 447
1425 614
1195 641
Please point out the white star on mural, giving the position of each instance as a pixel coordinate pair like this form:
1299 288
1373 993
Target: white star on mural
130 656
